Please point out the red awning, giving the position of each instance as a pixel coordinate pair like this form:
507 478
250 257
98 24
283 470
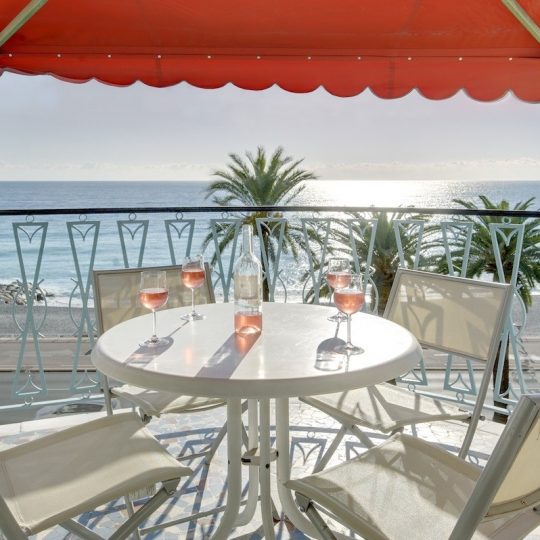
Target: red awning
346 46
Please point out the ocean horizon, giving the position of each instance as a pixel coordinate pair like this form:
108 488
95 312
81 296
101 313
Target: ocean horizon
191 193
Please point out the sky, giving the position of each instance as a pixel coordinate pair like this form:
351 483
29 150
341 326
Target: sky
52 130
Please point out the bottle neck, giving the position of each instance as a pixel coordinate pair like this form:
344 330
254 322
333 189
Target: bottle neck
247 247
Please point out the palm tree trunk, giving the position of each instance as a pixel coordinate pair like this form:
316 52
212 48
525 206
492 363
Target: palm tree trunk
384 285
505 384
265 246
505 377
265 290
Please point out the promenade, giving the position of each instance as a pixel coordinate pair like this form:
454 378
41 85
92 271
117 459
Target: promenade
59 344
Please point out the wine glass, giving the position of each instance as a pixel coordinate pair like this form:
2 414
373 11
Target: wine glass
350 299
338 275
193 277
153 294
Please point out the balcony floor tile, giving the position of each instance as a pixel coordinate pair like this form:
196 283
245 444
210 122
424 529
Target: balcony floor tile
311 431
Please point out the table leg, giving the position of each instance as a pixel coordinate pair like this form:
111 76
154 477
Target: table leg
253 487
234 452
264 469
284 470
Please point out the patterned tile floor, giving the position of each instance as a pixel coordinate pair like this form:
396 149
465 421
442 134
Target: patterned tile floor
311 431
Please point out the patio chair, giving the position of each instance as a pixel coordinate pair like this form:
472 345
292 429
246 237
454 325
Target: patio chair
453 315
408 488
51 480
115 301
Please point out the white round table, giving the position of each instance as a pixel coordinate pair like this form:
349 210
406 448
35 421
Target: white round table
206 358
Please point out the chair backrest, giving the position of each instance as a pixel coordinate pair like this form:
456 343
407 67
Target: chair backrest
510 481
116 294
455 315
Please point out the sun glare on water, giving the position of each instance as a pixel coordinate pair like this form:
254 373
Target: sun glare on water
366 193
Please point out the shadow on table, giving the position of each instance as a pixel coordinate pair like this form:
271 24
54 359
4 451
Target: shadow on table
228 357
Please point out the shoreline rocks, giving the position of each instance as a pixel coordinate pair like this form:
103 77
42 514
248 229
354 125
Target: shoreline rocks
14 293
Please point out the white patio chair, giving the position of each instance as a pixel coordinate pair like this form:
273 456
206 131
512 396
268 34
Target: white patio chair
454 315
115 301
51 480
406 488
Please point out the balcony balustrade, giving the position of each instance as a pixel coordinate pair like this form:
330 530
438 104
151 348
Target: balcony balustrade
45 340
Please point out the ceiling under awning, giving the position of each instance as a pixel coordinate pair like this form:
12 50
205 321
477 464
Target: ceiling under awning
484 47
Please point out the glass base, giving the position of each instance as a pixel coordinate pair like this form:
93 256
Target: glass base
192 316
349 349
338 317
329 362
153 342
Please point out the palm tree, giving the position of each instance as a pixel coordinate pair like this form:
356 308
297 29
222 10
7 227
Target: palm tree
260 180
482 257
385 258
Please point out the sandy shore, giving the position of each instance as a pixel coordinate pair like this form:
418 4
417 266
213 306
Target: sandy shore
58 321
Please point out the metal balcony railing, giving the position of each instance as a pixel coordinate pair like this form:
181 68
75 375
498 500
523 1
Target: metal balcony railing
45 340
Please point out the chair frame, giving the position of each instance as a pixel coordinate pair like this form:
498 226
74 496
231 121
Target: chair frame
14 531
99 315
97 292
99 323
476 412
492 477
494 344
11 528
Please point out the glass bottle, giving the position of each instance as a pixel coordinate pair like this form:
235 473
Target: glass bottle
247 288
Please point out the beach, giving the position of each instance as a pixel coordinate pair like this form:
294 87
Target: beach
59 323
59 343
58 327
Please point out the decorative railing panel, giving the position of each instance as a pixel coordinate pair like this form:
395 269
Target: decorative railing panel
180 238
458 234
502 236
294 245
271 235
316 233
224 233
132 233
30 240
83 240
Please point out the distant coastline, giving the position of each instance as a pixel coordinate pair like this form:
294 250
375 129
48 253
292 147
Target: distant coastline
111 194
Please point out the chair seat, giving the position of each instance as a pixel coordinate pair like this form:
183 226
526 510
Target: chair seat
155 403
384 407
57 477
404 488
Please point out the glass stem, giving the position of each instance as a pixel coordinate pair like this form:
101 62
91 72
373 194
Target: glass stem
349 344
154 335
192 300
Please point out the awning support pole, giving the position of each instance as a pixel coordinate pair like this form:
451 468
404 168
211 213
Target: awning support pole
21 19
523 17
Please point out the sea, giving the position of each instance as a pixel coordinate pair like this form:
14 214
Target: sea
58 269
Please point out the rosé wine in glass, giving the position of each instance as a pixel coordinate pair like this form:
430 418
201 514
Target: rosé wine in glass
338 274
153 298
193 276
337 280
349 300
153 294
